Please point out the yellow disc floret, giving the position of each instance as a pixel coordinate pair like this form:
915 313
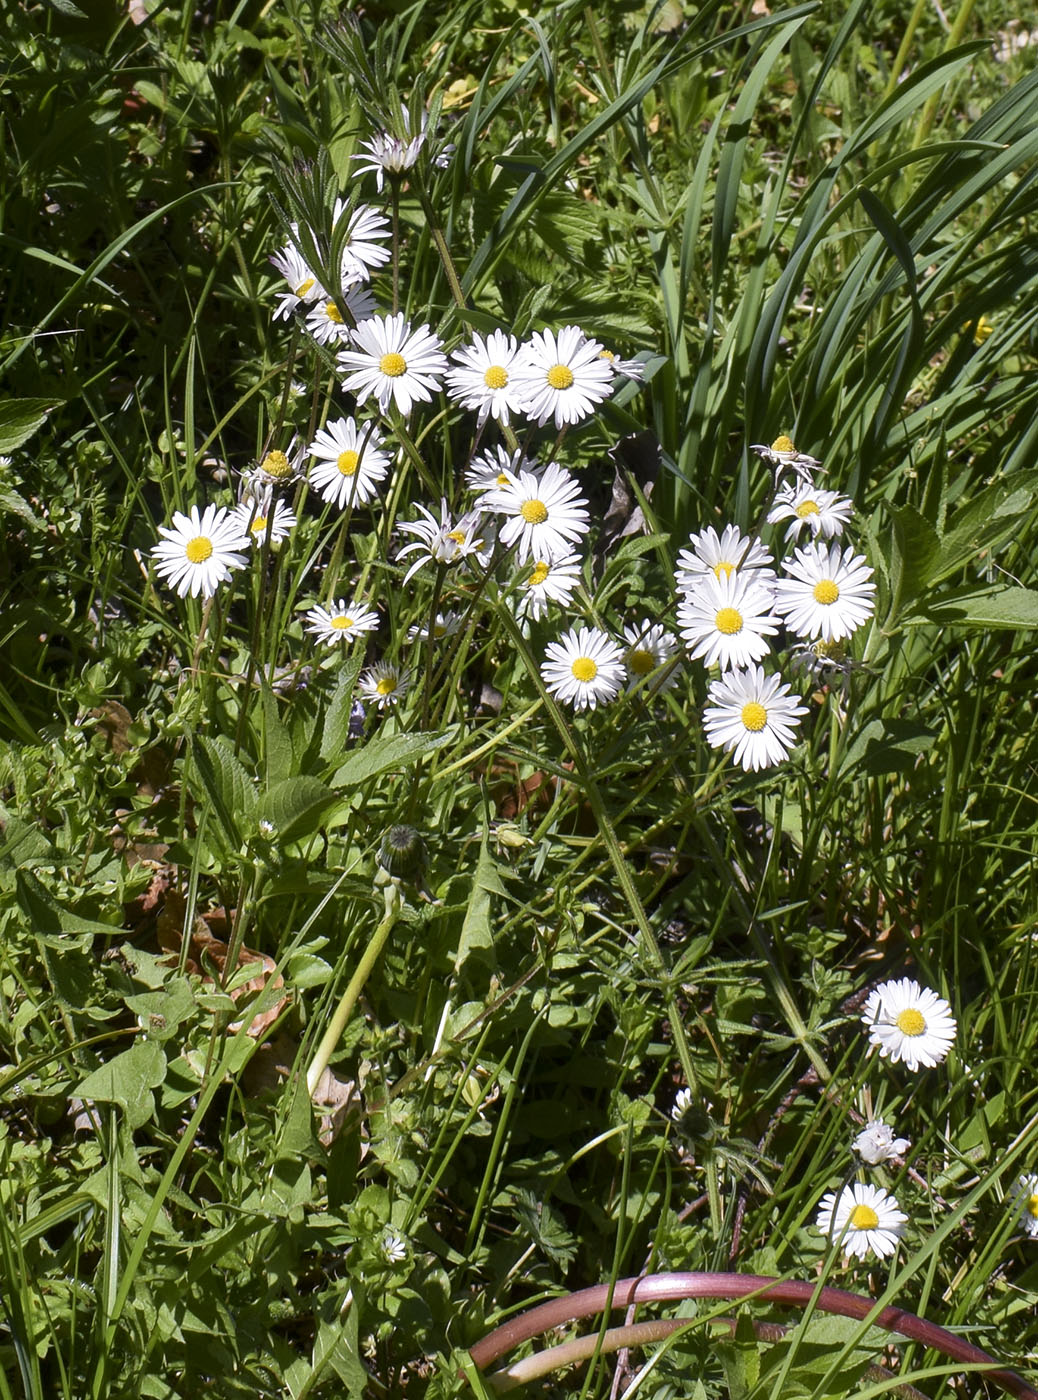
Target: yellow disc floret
277 465
199 549
387 685
806 508
333 313
754 716
560 376
393 365
540 573
347 461
783 444
825 592
341 623
641 661
910 1021
534 512
584 669
864 1218
728 621
495 377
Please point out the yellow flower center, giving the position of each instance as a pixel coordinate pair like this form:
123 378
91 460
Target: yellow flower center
864 1218
806 508
199 549
393 365
584 669
342 622
830 651
560 376
277 465
606 355
723 570
910 1021
333 313
501 479
783 444
439 629
1032 1206
728 621
386 685
495 377
304 287
540 573
534 512
754 716
258 525
641 661
347 461
458 536
825 592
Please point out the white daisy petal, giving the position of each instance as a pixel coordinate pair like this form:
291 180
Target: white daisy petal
384 684
547 515
394 362
197 553
824 513
350 465
862 1219
259 526
482 377
731 553
726 620
753 717
648 658
547 581
1026 1195
561 376
583 668
341 621
876 1143
826 592
909 1023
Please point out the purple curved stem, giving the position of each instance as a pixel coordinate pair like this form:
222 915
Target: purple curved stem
660 1288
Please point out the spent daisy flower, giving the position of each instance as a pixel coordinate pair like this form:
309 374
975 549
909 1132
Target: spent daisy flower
821 659
327 323
384 684
782 453
648 658
445 625
753 717
481 377
199 552
725 621
350 465
1026 1195
910 1023
386 154
547 514
730 553
826 592
275 470
443 541
862 1219
488 471
275 525
876 1143
824 513
394 362
583 668
561 376
341 621
547 581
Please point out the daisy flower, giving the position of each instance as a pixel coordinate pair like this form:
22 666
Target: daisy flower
908 1022
366 234
384 684
623 369
862 1219
481 377
1026 1195
351 465
394 363
548 581
487 471
385 154
826 593
583 668
303 284
561 377
197 552
782 453
732 553
326 322
341 621
442 541
753 717
255 524
647 658
275 470
820 658
725 621
876 1143
445 625
824 513
547 514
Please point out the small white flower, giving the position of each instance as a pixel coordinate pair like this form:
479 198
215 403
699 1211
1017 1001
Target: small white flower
561 376
753 717
548 580
351 464
726 620
442 541
682 1103
303 284
384 684
648 658
487 472
623 369
482 377
446 625
547 514
781 454
583 668
394 362
197 553
862 1219
258 526
824 513
391 155
910 1023
826 592
732 553
341 621
328 325
394 1248
876 1143
1026 1195
820 658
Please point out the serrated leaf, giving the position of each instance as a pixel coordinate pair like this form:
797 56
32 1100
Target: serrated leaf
914 550
19 419
47 917
476 932
740 1358
127 1080
1014 607
228 786
337 717
381 754
295 807
13 504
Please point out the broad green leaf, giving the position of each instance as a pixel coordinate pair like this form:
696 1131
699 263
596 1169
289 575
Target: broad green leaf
127 1080
888 746
380 754
476 933
1012 607
914 549
48 917
740 1357
228 786
19 419
295 807
337 717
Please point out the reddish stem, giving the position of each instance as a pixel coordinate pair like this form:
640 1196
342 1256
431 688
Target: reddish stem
659 1288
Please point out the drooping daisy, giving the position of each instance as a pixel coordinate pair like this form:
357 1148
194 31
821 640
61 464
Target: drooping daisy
259 527
445 625
391 155
443 541
341 621
274 471
732 553
725 621
821 659
862 1219
561 376
384 684
824 513
367 233
876 1143
197 553
303 284
394 362
910 1023
782 453
1026 1195
481 377
583 668
327 322
352 466
826 592
487 472
623 369
649 657
753 717
545 581
546 514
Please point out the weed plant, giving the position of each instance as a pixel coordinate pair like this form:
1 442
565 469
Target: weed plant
385 947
